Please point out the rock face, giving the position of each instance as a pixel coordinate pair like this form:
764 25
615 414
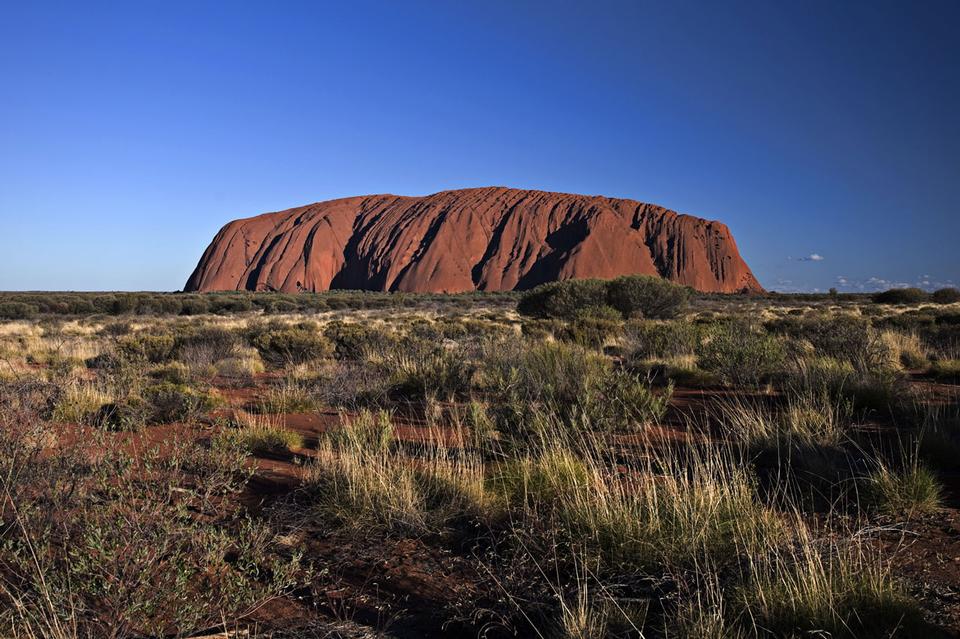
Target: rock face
488 239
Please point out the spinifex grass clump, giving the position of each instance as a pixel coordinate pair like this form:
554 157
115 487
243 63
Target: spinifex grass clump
263 434
243 364
289 395
837 587
361 481
673 510
416 368
903 485
569 383
808 419
178 402
79 402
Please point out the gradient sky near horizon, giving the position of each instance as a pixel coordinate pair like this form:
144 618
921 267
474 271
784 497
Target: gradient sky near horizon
825 134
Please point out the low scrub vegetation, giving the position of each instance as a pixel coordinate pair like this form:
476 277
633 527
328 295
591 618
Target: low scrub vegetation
629 296
590 458
261 434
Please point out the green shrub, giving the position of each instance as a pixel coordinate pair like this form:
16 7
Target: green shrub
946 296
194 306
440 329
910 320
129 414
661 340
901 296
222 304
647 296
263 435
569 384
293 345
350 340
911 488
845 338
540 329
588 331
606 313
173 372
417 368
946 370
177 403
17 310
563 299
218 342
740 354
155 349
631 295
949 319
111 544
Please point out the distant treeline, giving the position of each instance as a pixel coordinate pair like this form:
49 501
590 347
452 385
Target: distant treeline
26 305
32 304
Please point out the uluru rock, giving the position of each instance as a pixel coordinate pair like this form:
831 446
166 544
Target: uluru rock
487 239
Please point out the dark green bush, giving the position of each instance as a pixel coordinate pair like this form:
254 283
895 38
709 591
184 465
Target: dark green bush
647 296
237 302
230 304
17 310
949 319
440 329
566 383
948 295
540 329
604 312
843 337
661 340
219 342
155 349
588 331
901 296
563 299
129 414
908 320
194 306
741 354
630 295
177 402
292 345
350 340
416 368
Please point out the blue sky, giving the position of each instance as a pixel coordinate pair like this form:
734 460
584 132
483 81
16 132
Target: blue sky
130 132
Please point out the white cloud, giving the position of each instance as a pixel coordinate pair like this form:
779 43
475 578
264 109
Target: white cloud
872 284
813 257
